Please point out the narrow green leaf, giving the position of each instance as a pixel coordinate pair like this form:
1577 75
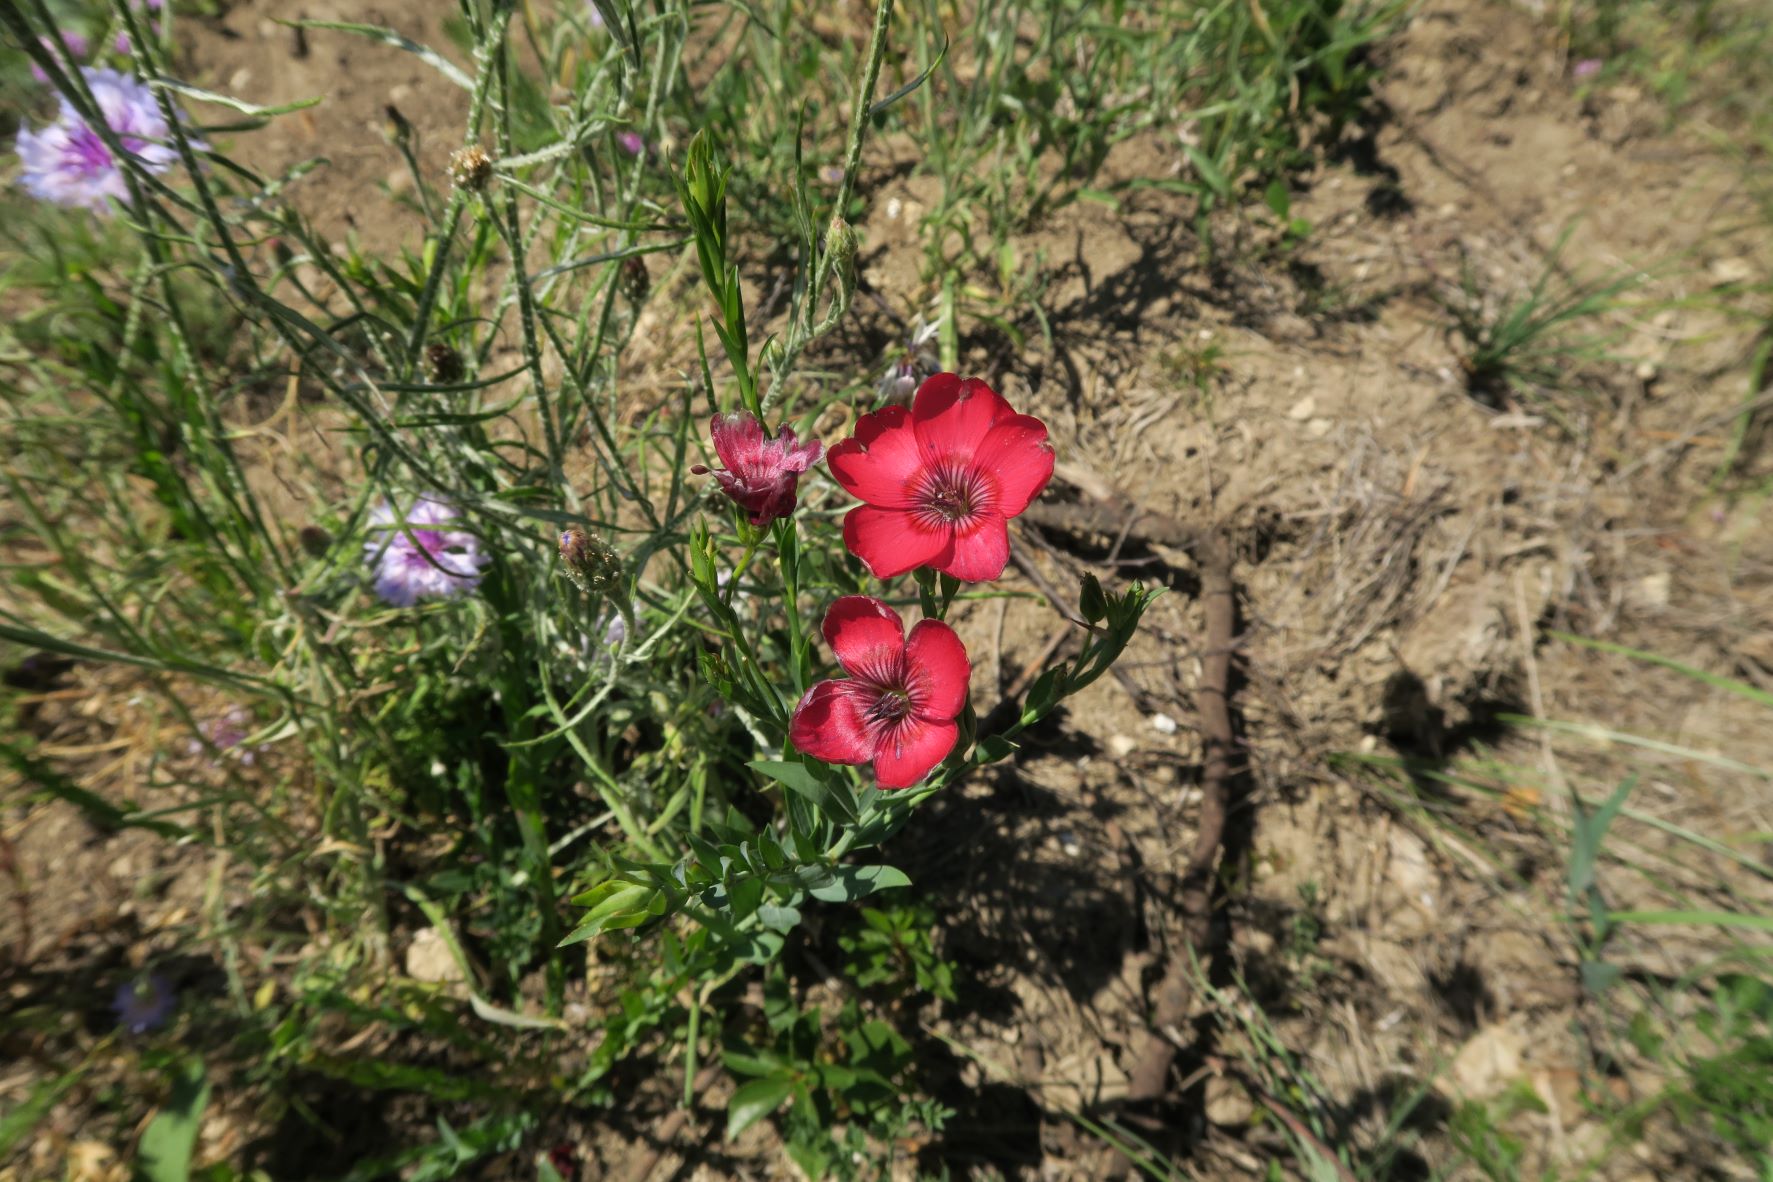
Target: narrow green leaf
389 37
26 1116
1209 172
1722 919
222 100
831 799
1740 688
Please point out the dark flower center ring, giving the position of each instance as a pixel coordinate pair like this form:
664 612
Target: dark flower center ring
952 494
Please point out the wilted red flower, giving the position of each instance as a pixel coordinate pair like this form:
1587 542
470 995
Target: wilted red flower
762 475
897 708
942 480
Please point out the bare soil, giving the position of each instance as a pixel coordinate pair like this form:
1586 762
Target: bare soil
1403 550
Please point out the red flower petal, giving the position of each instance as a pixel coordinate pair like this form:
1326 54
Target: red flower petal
891 543
867 637
907 755
979 556
879 462
951 417
738 439
828 724
938 669
1018 456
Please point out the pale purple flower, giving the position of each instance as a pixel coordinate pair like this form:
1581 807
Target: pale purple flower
615 633
1588 67
421 561
917 362
595 16
144 1004
631 142
227 732
69 53
68 164
832 174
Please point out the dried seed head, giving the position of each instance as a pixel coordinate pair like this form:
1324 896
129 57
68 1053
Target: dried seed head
636 282
590 563
315 540
470 168
443 364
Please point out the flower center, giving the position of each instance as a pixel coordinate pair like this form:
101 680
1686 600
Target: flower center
953 493
890 705
427 545
86 152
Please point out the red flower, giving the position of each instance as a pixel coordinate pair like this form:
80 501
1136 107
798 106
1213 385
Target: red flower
762 474
898 707
941 481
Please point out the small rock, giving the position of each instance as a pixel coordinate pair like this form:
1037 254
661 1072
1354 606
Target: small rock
1651 592
1488 1062
428 958
1121 745
1163 724
1318 428
240 80
1733 270
894 207
1410 869
1228 1105
400 93
1303 409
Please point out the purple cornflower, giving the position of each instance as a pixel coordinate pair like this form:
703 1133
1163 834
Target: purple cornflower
1588 67
144 1004
72 49
420 561
631 142
227 732
68 164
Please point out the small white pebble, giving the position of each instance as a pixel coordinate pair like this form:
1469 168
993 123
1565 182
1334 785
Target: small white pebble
1121 745
894 208
1163 724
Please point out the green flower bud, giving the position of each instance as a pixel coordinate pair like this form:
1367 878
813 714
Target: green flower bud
840 241
1091 602
591 564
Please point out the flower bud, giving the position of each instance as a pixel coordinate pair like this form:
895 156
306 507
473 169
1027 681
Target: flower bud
591 564
470 168
1091 601
840 241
